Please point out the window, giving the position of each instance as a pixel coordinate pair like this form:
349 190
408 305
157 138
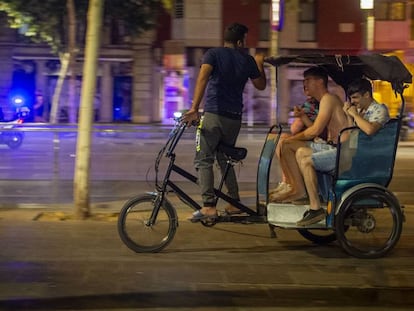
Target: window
118 32
307 20
264 26
179 9
389 10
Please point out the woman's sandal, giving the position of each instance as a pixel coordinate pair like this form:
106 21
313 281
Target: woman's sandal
230 210
302 201
231 213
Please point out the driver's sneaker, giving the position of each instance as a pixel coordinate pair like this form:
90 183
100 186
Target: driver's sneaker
311 217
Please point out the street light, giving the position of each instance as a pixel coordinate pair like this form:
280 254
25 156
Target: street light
276 17
368 6
276 22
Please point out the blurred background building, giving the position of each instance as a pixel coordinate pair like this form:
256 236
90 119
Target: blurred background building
146 79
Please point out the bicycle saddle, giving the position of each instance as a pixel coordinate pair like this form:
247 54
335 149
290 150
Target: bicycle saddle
235 153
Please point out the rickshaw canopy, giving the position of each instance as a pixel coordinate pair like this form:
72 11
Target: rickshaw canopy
345 68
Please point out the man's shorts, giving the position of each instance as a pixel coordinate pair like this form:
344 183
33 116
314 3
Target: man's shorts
323 156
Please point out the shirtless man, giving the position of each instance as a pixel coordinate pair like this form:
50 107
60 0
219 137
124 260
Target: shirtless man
362 110
323 153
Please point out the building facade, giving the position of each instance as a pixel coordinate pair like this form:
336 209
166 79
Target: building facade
146 79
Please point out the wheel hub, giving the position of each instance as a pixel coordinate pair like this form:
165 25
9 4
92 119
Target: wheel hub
367 223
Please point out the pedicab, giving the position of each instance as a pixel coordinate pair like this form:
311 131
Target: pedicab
363 215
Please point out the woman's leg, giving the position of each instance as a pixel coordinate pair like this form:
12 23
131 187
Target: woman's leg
291 170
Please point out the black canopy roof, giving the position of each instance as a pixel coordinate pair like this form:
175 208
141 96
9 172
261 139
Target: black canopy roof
345 68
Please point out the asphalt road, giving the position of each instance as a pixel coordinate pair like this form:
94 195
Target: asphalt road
120 156
122 165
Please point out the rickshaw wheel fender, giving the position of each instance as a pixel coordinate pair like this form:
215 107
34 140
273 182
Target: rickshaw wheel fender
348 193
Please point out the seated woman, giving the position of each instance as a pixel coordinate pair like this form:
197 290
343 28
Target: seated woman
303 118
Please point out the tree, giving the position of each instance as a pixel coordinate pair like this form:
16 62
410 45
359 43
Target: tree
81 178
58 28
41 27
137 16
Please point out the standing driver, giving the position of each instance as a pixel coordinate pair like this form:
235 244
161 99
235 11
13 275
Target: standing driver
223 76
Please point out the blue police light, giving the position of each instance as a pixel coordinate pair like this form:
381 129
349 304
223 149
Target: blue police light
18 101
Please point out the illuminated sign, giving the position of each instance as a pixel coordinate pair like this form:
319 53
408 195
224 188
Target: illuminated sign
276 14
366 4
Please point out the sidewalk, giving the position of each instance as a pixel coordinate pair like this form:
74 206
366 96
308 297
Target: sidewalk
107 210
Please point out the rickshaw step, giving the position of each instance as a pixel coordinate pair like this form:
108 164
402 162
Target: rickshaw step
242 219
286 216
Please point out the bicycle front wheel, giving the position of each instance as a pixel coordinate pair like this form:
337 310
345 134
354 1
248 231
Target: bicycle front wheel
139 232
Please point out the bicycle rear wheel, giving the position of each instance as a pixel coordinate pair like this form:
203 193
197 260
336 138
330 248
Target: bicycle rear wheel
136 229
373 219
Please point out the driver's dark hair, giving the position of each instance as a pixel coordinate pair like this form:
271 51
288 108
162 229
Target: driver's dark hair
360 86
317 72
235 32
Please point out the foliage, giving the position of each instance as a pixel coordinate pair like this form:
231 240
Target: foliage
45 20
33 17
137 16
168 5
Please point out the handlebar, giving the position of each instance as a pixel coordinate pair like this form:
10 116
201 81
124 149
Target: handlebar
169 147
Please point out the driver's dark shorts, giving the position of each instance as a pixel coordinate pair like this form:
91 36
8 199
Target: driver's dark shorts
323 156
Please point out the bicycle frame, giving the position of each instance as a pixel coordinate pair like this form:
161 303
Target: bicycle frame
169 151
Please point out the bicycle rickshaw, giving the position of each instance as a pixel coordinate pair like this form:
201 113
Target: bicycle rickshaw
362 214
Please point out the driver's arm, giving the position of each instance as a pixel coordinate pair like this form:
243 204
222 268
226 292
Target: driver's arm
200 87
260 82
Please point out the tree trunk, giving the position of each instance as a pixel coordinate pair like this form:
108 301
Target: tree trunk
73 104
54 112
82 166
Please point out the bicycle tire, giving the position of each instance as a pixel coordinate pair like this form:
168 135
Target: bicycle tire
314 236
373 221
137 234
